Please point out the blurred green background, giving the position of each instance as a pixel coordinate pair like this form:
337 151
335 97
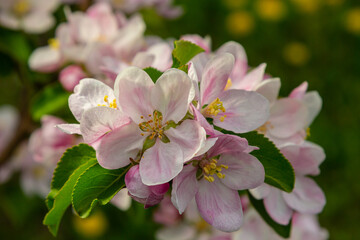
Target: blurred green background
300 40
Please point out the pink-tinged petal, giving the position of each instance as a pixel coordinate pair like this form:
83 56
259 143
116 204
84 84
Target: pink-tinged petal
215 77
153 199
219 205
189 137
299 92
87 94
209 143
227 144
313 102
240 66
160 189
245 111
143 60
181 231
97 56
287 116
252 79
307 196
38 22
184 188
70 76
170 95
197 65
122 200
261 191
277 208
244 171
161 163
133 91
269 88
304 158
98 121
134 184
162 56
202 121
117 147
70 128
46 59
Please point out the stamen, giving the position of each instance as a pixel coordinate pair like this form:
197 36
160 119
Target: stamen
214 108
54 43
211 168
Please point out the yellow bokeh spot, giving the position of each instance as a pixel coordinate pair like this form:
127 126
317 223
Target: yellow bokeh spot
231 4
21 7
240 23
92 227
307 6
54 43
352 21
296 54
272 10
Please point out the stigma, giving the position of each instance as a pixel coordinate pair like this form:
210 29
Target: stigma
109 104
212 169
214 108
154 125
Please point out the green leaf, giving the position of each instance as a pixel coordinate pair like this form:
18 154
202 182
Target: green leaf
96 185
278 170
15 45
282 230
72 164
183 52
50 100
153 73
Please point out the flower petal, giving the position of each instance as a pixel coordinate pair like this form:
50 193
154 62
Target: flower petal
215 76
307 196
45 59
134 184
184 188
133 91
161 163
244 171
304 158
300 91
252 79
189 137
269 88
70 128
245 111
313 103
261 191
227 143
170 95
117 147
87 94
287 116
219 205
277 208
98 121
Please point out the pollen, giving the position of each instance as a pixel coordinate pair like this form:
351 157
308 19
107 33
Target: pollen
211 169
21 7
154 125
214 108
110 104
54 43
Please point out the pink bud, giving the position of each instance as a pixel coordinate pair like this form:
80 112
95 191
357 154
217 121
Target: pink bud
71 76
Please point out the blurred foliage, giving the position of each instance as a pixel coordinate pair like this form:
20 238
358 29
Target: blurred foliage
301 40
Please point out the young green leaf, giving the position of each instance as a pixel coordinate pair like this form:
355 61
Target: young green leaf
153 73
72 164
282 230
183 52
278 170
52 99
96 185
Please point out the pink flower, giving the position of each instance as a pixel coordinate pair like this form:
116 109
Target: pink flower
33 16
307 196
235 110
215 182
156 112
147 195
71 76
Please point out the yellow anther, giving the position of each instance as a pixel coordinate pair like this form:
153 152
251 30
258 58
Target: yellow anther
224 166
308 132
218 169
222 118
54 43
142 134
213 165
206 170
106 98
21 7
220 175
142 117
214 161
228 84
